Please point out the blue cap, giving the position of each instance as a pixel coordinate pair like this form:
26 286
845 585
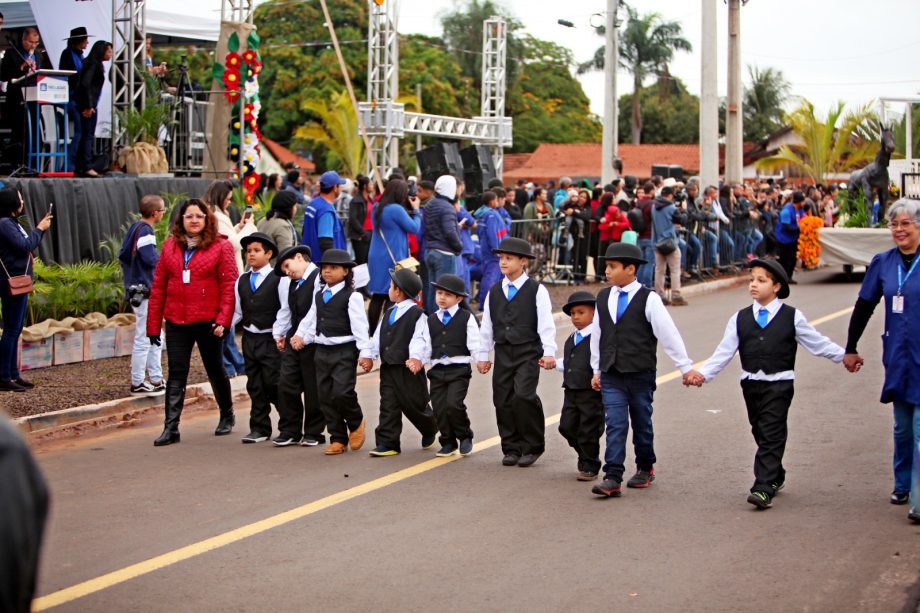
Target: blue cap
330 178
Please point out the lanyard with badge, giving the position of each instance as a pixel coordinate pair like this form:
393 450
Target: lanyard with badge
186 258
897 301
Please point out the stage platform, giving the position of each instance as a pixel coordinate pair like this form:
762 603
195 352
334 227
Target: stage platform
87 211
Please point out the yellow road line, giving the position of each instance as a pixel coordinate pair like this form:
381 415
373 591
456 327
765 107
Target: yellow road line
228 538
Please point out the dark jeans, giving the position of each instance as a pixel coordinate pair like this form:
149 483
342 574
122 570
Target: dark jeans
180 340
75 138
449 386
787 253
438 264
581 424
628 401
14 316
646 272
262 372
84 151
768 409
402 393
233 360
361 247
711 257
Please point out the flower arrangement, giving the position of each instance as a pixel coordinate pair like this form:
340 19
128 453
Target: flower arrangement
809 245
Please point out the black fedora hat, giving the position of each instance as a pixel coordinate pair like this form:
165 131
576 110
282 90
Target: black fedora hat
406 280
290 252
514 246
779 275
581 297
78 32
259 237
626 253
339 257
451 283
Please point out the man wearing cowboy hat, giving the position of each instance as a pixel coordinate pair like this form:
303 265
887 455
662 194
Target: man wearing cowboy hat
72 59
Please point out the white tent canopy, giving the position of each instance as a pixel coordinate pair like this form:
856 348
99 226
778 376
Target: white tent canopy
198 20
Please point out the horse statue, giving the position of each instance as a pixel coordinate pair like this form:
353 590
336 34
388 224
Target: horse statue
875 174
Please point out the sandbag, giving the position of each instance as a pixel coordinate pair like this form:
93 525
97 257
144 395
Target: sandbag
143 158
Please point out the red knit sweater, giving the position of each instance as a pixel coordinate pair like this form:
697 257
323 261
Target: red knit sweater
207 298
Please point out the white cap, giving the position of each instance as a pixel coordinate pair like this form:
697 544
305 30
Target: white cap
669 182
446 186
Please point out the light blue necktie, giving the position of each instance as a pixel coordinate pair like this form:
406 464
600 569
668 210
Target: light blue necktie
252 280
327 295
392 316
445 319
762 316
299 283
512 291
578 337
622 303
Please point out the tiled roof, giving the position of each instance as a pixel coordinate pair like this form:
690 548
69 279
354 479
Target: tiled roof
513 161
285 155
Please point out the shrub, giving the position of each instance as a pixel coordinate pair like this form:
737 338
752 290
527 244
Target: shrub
74 290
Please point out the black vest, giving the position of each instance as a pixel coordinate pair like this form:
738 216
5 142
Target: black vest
260 308
578 373
300 300
629 345
449 341
395 338
332 317
514 322
771 349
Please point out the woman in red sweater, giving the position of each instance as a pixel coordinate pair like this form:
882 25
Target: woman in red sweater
193 290
612 222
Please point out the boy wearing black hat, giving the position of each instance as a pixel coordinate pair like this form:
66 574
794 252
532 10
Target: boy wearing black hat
582 420
766 335
300 419
400 342
454 334
518 323
259 295
337 324
629 322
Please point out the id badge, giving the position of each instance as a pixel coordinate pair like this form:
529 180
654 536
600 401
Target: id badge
897 304
186 276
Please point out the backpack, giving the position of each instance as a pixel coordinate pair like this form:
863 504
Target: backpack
636 219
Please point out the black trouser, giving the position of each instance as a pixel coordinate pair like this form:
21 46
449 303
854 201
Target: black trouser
518 409
336 374
402 393
768 408
582 425
379 304
449 386
787 256
298 400
180 339
361 248
262 372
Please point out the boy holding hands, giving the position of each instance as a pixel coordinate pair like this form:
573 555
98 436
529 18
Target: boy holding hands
518 323
629 322
766 335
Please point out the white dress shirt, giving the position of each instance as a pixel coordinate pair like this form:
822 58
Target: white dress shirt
260 276
656 314
419 344
283 321
472 341
805 334
585 338
546 328
357 319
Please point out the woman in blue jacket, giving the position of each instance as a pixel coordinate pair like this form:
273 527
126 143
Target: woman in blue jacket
16 247
392 220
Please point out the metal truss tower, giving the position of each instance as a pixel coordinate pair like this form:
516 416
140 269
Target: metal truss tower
237 10
129 29
387 121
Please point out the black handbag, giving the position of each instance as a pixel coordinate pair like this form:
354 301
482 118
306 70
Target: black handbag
666 246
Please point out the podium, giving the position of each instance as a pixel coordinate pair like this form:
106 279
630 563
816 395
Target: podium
43 88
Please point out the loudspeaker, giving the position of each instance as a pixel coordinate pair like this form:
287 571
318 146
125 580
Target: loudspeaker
478 168
439 159
676 172
661 170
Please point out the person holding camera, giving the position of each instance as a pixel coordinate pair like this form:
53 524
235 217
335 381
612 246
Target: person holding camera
138 258
665 217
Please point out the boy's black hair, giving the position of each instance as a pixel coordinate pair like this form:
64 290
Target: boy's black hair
349 276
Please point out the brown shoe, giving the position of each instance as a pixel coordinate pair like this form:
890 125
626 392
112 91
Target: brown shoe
356 438
678 301
336 449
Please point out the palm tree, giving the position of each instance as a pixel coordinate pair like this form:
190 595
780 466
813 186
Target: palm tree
647 46
827 148
763 102
336 129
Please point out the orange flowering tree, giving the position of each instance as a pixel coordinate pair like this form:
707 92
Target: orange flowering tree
809 246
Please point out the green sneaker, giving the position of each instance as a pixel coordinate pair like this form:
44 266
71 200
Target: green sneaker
761 500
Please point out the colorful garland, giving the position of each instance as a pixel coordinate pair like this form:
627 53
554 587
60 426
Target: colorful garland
240 75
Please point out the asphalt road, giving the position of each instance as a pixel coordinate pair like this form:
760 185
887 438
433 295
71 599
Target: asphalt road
211 524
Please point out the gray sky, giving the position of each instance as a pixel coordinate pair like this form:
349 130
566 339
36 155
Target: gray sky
850 50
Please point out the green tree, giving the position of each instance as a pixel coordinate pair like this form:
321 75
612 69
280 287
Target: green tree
336 130
764 98
463 36
670 118
839 143
647 46
446 90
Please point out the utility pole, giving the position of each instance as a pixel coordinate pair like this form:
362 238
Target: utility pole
734 124
611 59
709 98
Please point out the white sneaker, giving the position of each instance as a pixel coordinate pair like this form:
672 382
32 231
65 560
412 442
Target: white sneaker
144 389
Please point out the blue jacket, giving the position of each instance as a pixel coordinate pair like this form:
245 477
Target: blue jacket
138 255
466 237
319 213
16 245
492 229
787 229
440 226
663 220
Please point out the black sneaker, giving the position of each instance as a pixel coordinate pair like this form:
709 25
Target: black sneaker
446 451
914 516
143 389
429 441
158 388
528 459
283 440
761 500
254 437
510 459
309 441
609 487
382 452
642 479
586 475
777 487
466 447
900 497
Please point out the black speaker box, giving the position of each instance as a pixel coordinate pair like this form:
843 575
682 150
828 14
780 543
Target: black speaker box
478 168
440 159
